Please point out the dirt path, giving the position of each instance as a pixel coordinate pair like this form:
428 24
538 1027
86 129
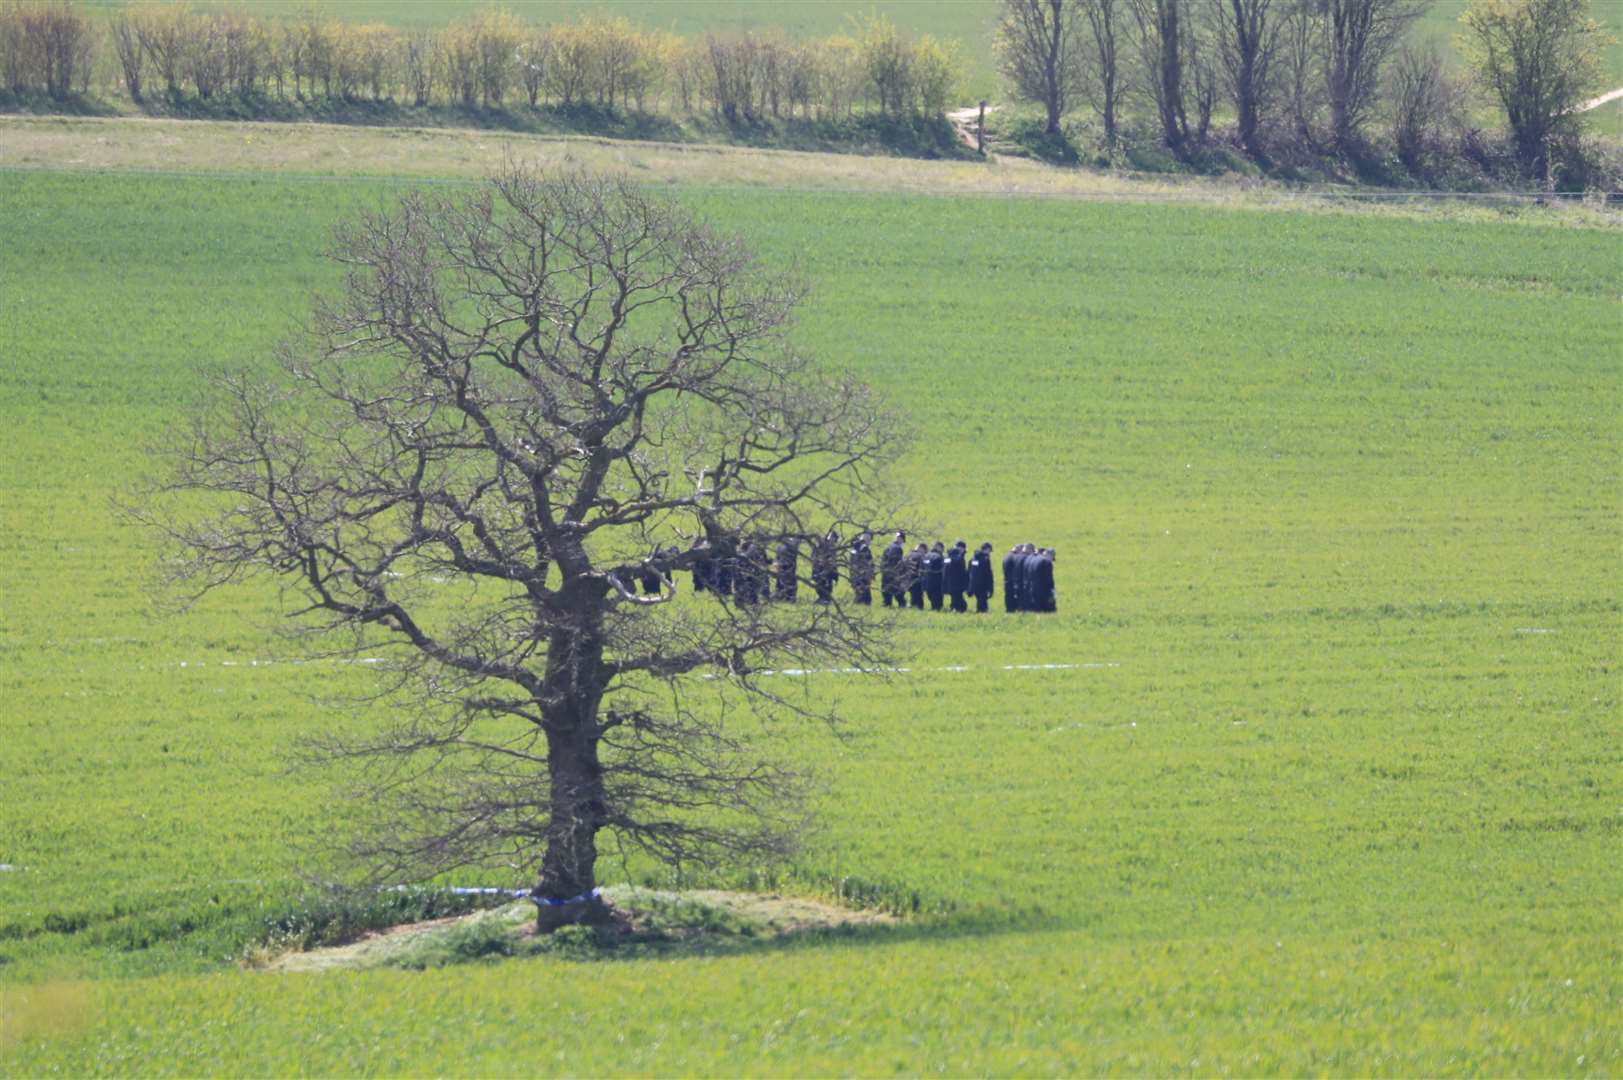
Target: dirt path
1597 102
963 121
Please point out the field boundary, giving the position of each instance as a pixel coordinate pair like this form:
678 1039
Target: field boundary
222 150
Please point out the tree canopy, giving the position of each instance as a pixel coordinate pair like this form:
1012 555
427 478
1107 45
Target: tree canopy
522 401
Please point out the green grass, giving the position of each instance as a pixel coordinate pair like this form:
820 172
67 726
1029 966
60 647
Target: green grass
1314 480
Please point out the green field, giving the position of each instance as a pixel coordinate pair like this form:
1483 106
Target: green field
1333 787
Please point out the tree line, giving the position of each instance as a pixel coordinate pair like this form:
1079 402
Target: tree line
1315 74
490 59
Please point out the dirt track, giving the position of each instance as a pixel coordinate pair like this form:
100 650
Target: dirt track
963 121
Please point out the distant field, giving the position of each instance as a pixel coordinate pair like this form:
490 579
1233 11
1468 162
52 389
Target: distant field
1332 788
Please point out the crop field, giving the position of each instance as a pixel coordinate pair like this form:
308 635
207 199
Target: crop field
1316 770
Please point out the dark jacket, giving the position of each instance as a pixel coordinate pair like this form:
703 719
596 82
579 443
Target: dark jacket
825 563
723 574
861 565
980 574
788 571
956 579
934 570
912 572
652 577
1012 577
1040 583
891 568
743 576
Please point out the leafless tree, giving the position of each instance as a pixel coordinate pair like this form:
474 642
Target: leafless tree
465 462
1304 88
1162 39
1247 34
127 44
1104 66
1042 51
1356 38
1421 97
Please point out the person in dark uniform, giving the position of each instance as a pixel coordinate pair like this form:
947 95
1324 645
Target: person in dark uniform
743 575
825 568
1041 587
1028 572
652 578
723 569
788 570
891 570
761 571
956 578
913 575
702 566
980 577
860 567
1011 578
935 570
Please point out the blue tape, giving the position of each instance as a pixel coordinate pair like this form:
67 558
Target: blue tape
542 901
526 894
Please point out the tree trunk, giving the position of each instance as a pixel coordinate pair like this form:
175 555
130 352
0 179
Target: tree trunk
574 687
1051 63
1174 125
1249 120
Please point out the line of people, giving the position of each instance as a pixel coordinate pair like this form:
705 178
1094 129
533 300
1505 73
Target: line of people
945 577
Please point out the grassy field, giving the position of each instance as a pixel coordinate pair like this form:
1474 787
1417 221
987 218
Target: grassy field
1333 787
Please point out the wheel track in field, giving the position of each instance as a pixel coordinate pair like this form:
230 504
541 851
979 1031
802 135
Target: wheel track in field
963 122
1597 102
1093 665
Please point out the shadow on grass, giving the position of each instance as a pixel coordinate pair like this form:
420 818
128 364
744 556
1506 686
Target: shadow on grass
647 924
638 923
35 104
1032 139
926 137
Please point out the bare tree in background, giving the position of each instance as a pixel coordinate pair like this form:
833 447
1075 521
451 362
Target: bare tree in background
1421 98
1356 38
466 462
1304 87
1162 40
1042 51
1104 69
1247 36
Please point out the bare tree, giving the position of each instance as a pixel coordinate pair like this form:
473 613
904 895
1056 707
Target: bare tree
1162 38
1304 87
466 463
423 63
1104 68
1248 37
127 44
1421 97
1042 51
1356 37
1539 59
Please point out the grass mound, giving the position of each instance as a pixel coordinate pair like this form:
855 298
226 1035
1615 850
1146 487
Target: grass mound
646 922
